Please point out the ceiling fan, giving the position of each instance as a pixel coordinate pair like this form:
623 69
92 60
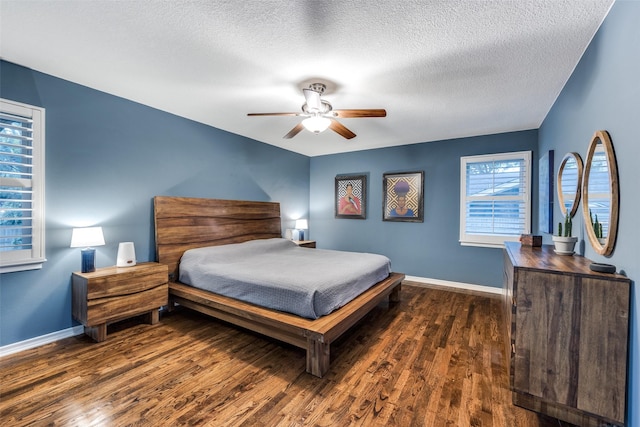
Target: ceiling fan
320 115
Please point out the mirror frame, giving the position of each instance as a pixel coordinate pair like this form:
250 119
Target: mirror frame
601 136
576 198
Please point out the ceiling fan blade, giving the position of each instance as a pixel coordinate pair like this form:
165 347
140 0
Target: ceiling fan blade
293 132
349 114
313 99
273 114
341 129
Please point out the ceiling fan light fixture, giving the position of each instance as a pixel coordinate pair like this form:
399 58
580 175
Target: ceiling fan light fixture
316 124
321 116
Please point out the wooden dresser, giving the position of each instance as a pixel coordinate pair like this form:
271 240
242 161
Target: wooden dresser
568 333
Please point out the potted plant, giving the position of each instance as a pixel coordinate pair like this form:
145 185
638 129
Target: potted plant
597 228
564 242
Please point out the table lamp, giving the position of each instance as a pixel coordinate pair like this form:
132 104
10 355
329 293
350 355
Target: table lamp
301 225
85 238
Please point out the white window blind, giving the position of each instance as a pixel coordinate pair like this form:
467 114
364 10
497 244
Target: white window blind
569 184
21 186
600 189
495 198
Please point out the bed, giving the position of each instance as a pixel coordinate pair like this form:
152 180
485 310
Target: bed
183 223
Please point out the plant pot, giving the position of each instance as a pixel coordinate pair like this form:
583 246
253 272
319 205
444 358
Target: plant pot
564 245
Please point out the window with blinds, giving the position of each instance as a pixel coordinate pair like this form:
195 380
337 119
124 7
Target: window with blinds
21 186
495 198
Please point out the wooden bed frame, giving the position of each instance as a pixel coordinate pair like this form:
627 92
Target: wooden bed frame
183 223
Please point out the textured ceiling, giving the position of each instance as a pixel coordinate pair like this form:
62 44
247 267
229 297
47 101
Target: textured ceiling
441 69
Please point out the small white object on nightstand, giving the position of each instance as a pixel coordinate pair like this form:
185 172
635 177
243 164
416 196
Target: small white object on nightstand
126 255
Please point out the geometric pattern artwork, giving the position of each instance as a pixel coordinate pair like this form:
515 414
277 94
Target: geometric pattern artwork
403 197
351 196
399 185
356 188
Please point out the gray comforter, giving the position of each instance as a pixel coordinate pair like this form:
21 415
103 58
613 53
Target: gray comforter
277 274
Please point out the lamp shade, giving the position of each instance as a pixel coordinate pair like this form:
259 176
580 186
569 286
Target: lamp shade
86 237
316 124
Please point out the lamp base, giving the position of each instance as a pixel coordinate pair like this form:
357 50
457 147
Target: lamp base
88 260
300 234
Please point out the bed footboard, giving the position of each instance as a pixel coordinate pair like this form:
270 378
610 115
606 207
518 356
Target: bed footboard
315 336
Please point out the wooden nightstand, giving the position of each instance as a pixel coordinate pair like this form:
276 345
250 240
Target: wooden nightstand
114 293
305 243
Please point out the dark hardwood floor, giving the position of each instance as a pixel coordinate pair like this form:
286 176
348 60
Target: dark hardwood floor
434 359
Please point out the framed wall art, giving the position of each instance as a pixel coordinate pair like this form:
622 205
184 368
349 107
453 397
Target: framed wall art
545 201
403 198
351 196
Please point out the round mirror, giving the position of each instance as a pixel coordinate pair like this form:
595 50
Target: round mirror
569 184
600 194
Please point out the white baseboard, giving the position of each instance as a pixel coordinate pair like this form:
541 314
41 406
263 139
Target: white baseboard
6 350
458 285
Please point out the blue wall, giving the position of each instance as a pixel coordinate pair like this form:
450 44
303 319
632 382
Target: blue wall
604 93
106 158
430 249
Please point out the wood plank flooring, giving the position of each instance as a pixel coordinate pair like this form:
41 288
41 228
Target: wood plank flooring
434 359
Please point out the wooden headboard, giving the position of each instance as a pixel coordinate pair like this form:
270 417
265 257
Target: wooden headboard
183 223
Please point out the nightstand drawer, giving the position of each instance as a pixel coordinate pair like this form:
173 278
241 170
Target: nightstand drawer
114 281
103 310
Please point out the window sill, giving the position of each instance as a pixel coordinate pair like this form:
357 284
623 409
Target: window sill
483 244
490 242
25 266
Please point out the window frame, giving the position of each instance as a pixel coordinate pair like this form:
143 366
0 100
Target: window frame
494 240
34 258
